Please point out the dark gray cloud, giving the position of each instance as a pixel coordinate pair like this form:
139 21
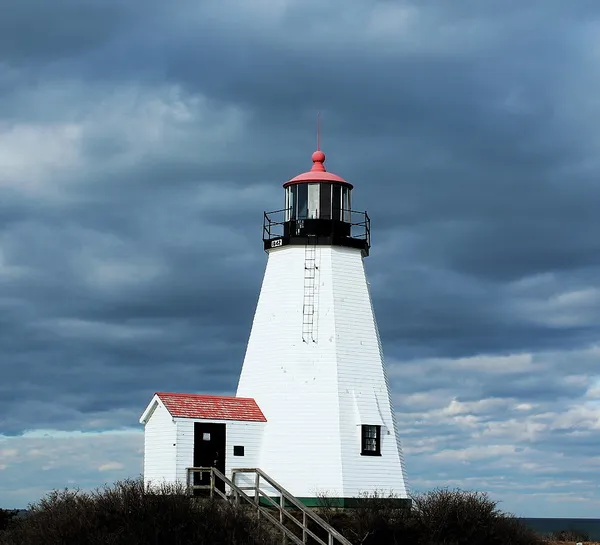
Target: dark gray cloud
140 143
35 32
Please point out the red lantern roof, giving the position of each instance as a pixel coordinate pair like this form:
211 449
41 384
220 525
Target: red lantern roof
317 173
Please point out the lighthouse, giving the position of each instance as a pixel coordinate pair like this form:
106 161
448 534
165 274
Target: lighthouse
313 407
314 362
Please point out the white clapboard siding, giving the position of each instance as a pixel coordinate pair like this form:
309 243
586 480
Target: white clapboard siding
246 434
159 446
315 395
362 382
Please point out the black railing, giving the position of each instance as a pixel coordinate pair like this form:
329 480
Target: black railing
355 225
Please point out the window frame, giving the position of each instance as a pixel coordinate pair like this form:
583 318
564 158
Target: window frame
365 436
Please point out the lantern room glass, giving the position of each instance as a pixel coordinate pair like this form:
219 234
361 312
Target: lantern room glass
318 201
302 201
290 203
346 205
312 210
336 202
325 202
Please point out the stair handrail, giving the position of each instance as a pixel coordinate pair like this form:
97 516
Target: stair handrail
331 531
215 473
285 497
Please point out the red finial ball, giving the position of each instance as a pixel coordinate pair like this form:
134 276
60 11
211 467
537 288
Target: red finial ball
318 157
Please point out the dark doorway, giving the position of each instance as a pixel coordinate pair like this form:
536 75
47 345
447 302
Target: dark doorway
209 451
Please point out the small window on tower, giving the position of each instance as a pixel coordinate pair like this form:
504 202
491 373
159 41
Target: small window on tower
238 450
371 441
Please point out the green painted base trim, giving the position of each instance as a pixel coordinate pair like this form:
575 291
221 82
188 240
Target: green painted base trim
346 503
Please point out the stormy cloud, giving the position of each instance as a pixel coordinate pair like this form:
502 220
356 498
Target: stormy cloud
140 143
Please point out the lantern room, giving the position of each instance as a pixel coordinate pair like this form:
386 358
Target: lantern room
318 194
318 209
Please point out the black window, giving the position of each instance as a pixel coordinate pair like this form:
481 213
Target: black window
371 441
325 204
336 202
293 199
238 450
302 200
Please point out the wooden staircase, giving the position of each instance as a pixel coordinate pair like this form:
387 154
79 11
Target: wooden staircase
276 505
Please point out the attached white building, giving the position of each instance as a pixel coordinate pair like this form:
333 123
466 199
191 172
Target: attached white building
313 377
189 430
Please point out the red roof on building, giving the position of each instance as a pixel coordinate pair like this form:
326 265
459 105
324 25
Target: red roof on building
212 407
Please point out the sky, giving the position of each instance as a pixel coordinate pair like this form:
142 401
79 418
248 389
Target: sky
140 143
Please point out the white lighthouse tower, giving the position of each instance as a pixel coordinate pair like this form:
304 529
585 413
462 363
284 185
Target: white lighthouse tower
314 362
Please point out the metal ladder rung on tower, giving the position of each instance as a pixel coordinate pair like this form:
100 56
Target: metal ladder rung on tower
310 293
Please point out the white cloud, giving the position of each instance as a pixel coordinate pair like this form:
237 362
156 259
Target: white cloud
494 365
126 128
52 459
481 406
537 445
571 308
37 159
110 466
474 453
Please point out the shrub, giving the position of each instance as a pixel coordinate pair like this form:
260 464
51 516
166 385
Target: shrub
6 516
442 516
377 519
460 517
570 535
128 513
